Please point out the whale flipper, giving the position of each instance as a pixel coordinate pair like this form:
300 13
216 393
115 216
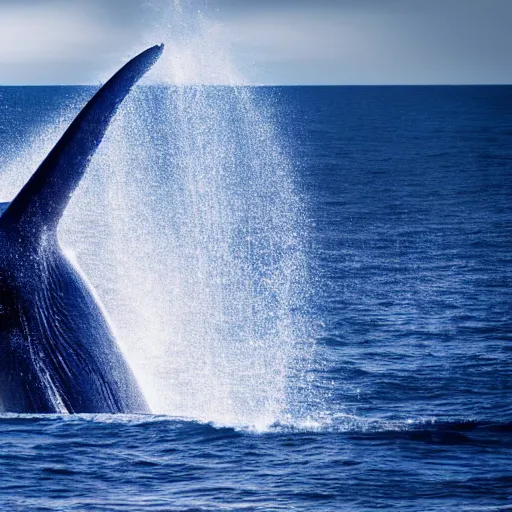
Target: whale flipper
42 201
57 350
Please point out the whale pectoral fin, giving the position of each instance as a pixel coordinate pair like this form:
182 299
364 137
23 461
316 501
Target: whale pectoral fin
42 201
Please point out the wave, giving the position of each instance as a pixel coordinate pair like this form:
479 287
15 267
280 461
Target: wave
427 430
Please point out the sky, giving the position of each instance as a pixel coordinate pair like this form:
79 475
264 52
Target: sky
260 41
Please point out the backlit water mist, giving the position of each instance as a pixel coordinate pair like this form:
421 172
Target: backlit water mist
194 238
189 226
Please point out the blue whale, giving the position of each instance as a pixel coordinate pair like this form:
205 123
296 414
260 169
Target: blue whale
57 351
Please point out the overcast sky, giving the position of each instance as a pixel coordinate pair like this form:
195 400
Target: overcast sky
260 41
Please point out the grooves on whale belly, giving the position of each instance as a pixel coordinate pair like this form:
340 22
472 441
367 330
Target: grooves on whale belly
58 353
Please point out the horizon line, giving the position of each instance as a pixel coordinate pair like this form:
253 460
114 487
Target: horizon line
497 84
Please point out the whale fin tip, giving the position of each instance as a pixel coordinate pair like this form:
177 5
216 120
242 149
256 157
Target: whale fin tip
42 201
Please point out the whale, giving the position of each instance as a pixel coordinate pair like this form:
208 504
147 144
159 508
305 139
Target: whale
58 353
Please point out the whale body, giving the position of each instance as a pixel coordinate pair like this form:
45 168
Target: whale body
57 350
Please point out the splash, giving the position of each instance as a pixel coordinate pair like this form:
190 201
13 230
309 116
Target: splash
189 226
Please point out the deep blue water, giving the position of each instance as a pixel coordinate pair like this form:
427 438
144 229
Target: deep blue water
408 194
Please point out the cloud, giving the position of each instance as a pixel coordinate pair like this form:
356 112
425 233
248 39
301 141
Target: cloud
260 41
368 42
59 42
57 32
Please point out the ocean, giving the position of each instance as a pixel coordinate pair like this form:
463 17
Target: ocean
313 286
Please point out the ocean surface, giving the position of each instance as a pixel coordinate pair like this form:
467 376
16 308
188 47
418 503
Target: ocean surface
401 398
